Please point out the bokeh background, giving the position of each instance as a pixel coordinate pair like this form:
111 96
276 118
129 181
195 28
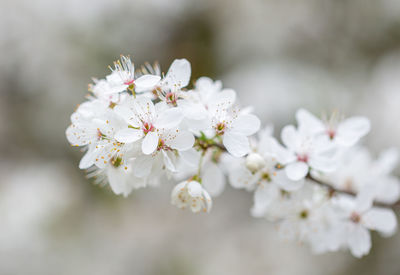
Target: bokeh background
278 54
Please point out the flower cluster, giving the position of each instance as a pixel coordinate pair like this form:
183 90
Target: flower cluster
143 128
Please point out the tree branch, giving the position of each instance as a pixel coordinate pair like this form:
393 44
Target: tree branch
333 190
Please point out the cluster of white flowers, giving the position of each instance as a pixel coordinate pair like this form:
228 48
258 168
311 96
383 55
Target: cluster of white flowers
143 128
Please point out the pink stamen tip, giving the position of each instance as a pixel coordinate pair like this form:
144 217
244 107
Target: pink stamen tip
130 82
147 127
355 217
302 158
331 134
171 98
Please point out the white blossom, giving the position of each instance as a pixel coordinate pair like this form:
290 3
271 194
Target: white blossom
191 194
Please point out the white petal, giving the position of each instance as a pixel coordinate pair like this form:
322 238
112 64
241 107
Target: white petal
240 177
236 144
351 130
388 189
88 159
169 118
379 219
183 140
144 107
127 114
128 135
213 179
359 240
194 189
271 145
290 137
77 136
221 100
192 110
118 181
308 123
168 162
322 164
364 199
146 82
226 97
296 171
142 166
263 197
286 184
178 75
246 124
190 157
150 143
387 161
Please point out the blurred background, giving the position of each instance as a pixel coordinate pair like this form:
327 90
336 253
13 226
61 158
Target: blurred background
278 54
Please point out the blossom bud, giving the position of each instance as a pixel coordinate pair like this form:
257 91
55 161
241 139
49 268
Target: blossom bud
254 162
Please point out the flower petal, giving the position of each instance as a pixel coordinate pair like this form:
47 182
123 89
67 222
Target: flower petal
150 143
146 82
128 135
359 241
169 118
263 198
246 124
142 166
88 159
168 162
296 171
290 137
194 189
236 144
178 75
351 130
144 108
308 123
379 219
213 179
286 184
183 140
118 181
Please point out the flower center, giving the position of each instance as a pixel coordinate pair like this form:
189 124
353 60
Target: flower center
302 158
220 128
148 127
100 135
303 214
161 145
331 133
355 217
116 162
171 98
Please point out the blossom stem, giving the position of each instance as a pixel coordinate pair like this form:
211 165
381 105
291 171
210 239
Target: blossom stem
333 191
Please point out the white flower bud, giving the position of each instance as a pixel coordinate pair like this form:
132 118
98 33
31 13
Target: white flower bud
254 162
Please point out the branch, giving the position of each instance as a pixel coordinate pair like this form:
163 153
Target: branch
333 190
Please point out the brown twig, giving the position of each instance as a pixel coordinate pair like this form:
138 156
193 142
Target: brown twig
333 190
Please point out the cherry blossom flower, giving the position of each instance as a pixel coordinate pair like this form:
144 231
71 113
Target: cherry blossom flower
308 152
123 77
153 126
191 194
345 133
358 217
